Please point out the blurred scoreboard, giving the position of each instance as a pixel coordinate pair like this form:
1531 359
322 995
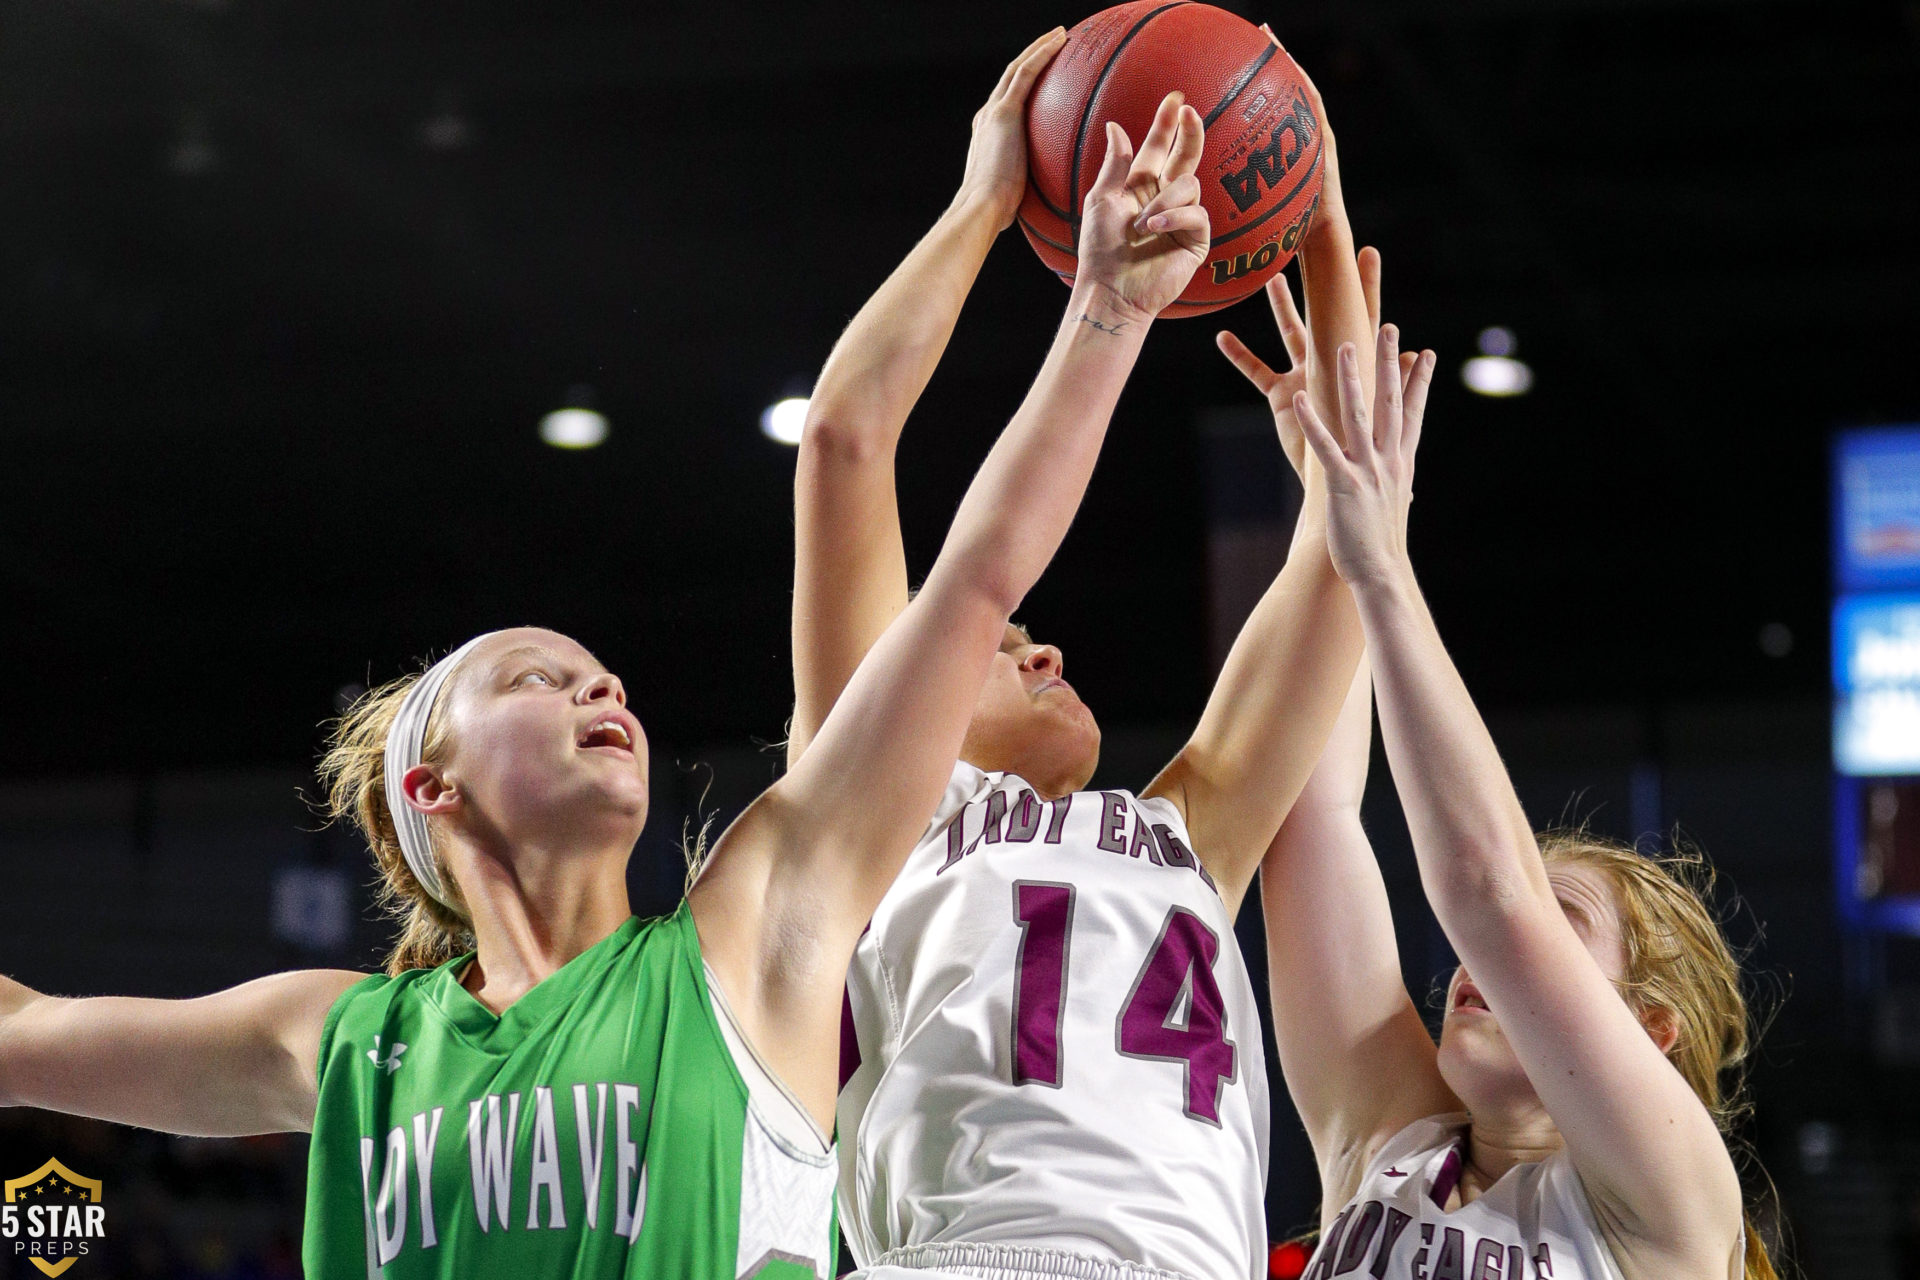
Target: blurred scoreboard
1876 675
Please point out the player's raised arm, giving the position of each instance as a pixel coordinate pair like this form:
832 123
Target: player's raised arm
849 568
793 882
1357 1058
1649 1155
1288 671
238 1062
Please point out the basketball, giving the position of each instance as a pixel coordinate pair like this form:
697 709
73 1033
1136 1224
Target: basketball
1259 175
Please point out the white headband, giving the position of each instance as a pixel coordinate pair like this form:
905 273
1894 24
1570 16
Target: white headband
405 742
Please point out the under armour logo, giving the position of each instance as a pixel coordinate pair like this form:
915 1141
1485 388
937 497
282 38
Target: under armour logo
392 1061
1391 1172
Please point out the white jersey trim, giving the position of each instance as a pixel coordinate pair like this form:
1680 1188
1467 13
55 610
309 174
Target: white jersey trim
782 1113
1016 1262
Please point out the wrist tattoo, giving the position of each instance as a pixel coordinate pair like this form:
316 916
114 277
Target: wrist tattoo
1114 328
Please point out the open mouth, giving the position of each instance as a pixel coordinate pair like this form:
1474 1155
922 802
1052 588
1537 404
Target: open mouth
1468 997
607 733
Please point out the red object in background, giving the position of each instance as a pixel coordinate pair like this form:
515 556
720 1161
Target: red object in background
1261 170
1286 1262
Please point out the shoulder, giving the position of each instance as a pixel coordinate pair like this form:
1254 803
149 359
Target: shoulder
661 953
970 783
351 995
1425 1135
1350 1172
300 997
965 785
1162 807
307 1008
1564 1197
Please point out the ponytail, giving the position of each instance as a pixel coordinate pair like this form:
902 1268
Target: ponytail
353 773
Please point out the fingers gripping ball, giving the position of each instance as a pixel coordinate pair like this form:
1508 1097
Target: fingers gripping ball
1259 175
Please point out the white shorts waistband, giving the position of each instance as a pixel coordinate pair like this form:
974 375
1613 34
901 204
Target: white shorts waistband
1009 1262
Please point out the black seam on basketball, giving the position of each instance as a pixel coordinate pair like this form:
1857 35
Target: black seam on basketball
1217 302
1031 230
1246 78
1093 95
1033 185
1278 205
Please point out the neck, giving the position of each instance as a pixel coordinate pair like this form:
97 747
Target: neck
533 913
986 762
1496 1142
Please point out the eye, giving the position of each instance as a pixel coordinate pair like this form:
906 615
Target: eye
535 677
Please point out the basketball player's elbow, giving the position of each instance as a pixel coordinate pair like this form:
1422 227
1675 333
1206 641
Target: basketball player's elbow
840 437
1481 881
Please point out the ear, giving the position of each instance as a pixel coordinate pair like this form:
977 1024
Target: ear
1662 1025
427 792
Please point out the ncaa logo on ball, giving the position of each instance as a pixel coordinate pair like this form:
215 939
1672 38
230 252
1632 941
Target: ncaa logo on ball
51 1217
1289 137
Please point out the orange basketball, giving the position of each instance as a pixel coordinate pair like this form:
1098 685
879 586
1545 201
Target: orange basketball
1259 175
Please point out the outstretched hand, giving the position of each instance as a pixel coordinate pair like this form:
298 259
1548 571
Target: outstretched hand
1143 232
1279 388
1370 482
997 156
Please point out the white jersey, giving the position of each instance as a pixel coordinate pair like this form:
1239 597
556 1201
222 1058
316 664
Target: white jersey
1058 1045
1533 1224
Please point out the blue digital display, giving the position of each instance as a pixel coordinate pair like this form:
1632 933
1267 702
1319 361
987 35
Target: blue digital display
1876 681
1876 660
1876 642
1876 509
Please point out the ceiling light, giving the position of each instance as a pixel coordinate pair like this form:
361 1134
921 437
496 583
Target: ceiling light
1497 340
783 420
573 428
192 152
448 128
1496 376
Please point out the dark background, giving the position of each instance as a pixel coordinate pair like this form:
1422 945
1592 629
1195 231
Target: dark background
286 287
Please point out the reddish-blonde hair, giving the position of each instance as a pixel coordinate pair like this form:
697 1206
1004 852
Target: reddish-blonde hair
1678 960
353 772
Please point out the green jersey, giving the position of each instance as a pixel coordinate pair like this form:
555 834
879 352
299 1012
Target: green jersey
598 1128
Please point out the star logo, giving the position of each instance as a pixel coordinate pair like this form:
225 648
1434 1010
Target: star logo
55 1231
392 1061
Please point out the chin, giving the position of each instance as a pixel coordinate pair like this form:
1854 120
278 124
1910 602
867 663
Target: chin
1069 752
609 804
1478 1064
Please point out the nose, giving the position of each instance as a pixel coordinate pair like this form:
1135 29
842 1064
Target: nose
604 685
1045 659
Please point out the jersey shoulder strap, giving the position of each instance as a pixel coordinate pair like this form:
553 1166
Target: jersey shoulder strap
353 996
963 787
1416 1139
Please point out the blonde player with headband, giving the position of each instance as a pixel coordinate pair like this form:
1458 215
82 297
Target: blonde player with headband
585 1094
1569 1126
1060 1069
